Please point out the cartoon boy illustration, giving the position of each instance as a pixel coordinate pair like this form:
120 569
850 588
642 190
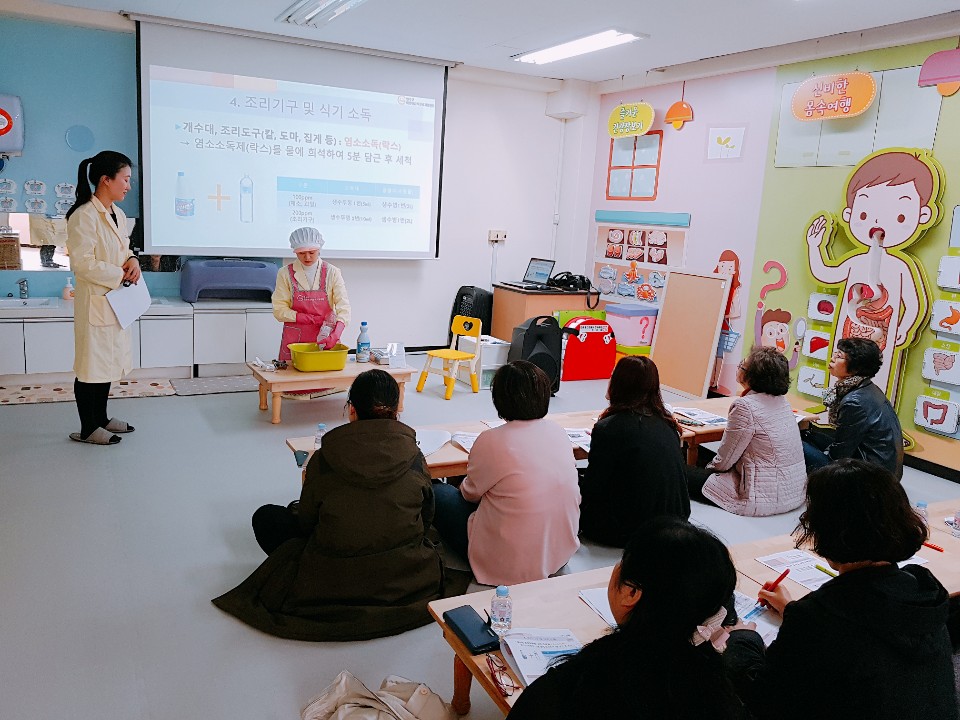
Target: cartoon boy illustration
892 197
772 329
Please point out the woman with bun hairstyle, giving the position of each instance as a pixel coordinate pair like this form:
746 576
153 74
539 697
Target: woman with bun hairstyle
673 580
101 261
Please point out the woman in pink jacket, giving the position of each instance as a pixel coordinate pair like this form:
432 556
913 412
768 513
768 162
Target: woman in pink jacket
759 467
516 514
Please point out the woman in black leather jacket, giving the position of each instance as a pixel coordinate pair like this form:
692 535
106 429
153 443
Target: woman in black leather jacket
865 425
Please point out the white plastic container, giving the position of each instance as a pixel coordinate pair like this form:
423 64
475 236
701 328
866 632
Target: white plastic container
363 344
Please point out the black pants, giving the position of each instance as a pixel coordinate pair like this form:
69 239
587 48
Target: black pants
273 525
697 475
91 405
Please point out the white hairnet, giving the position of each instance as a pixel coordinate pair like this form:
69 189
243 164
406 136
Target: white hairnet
306 238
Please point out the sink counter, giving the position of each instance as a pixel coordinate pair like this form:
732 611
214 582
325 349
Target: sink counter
54 307
35 307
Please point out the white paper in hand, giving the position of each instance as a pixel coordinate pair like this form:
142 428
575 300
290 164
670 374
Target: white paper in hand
129 302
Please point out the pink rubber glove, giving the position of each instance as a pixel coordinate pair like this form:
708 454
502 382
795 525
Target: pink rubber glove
334 337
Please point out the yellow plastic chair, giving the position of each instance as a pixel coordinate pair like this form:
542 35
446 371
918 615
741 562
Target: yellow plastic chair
452 357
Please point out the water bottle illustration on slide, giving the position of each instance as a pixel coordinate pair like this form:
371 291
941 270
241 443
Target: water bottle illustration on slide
185 202
246 200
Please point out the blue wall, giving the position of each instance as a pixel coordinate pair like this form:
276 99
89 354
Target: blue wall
68 76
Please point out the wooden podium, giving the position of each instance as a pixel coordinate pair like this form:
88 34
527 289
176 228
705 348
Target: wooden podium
511 306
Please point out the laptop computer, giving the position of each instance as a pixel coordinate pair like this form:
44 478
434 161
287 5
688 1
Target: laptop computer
538 272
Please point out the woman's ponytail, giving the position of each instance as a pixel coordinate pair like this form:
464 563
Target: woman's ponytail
84 193
106 163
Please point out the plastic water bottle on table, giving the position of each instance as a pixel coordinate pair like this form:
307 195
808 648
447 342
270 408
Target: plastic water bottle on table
501 611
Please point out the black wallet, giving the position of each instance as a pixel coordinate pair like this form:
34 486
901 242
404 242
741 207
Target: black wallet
472 629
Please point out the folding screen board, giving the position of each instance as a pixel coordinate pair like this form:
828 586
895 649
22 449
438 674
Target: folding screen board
688 330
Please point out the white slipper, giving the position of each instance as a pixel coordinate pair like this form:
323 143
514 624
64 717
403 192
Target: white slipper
119 426
97 437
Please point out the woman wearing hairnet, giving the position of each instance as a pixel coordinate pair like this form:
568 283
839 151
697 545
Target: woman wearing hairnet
311 298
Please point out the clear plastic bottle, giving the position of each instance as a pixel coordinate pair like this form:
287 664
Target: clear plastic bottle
246 199
318 438
921 509
185 203
501 611
68 290
363 344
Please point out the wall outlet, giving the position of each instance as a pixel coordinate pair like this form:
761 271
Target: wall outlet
496 236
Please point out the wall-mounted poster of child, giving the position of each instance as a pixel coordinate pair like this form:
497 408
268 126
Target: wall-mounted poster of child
892 198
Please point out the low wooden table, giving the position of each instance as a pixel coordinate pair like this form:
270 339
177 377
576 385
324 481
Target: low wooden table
695 435
550 603
936 512
291 380
451 460
944 565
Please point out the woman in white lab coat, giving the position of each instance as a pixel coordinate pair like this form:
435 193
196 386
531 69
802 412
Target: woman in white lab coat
101 260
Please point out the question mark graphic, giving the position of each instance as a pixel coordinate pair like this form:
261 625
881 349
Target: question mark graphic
644 322
774 285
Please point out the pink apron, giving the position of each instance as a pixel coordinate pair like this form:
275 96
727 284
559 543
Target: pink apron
312 302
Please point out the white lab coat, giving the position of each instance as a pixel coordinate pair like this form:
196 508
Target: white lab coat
98 249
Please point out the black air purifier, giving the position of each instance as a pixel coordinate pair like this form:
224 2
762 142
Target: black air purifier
473 302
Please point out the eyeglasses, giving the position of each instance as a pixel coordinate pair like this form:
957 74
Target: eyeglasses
500 675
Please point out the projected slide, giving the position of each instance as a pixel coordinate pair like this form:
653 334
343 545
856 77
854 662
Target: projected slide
238 162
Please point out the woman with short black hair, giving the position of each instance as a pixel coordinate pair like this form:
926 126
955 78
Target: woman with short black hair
673 578
515 515
521 391
876 633
351 560
636 466
864 424
758 468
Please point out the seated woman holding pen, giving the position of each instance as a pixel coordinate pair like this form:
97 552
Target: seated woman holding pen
636 469
759 467
515 515
871 643
673 578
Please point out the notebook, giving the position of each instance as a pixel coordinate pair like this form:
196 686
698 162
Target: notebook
538 272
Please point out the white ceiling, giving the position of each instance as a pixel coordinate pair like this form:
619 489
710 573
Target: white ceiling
485 33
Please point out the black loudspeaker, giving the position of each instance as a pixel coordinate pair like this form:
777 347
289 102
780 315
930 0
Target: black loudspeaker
473 302
538 340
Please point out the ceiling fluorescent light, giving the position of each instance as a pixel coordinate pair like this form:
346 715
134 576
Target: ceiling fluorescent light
582 46
316 12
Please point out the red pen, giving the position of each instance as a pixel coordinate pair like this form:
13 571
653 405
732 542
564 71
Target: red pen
932 546
770 587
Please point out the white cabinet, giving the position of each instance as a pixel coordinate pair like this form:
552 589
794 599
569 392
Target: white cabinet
48 346
219 337
135 345
166 341
263 335
12 359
